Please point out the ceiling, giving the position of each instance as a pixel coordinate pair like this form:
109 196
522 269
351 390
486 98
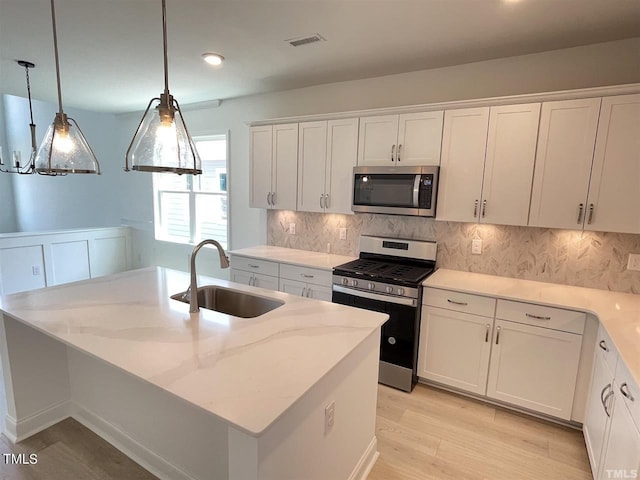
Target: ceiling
111 50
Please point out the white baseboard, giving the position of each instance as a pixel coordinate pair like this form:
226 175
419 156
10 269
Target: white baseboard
129 446
367 461
18 430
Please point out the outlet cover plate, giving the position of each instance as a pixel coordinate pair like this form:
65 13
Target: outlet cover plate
634 262
476 246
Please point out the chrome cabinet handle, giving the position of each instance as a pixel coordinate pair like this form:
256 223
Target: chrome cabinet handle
464 304
486 333
308 292
393 152
484 207
580 210
321 197
399 148
537 317
273 198
590 213
602 396
251 265
268 198
252 281
304 289
307 276
475 209
602 344
497 335
606 410
626 393
326 200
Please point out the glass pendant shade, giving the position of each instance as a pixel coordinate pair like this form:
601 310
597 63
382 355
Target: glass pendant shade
161 142
65 150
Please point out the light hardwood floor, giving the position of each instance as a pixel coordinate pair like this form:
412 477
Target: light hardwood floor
426 435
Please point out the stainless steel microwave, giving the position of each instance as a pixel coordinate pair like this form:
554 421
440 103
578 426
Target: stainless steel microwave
395 190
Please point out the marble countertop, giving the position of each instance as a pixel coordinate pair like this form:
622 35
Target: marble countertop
619 313
246 371
324 261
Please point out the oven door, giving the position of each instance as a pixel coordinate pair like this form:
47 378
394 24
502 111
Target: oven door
399 338
394 190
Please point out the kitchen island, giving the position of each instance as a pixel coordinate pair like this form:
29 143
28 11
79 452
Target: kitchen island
290 394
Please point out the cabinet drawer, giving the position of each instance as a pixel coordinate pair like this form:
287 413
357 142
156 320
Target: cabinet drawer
629 391
605 346
249 264
541 316
306 274
459 302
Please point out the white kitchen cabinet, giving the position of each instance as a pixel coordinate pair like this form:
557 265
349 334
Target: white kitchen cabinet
327 153
464 142
614 192
254 272
254 279
273 152
487 168
405 139
304 289
563 163
306 282
454 348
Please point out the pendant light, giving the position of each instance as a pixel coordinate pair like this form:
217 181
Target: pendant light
18 166
162 142
64 148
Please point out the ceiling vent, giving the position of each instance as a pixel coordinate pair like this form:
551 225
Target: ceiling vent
297 42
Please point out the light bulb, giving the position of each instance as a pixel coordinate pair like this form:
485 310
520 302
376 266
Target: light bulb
62 143
212 58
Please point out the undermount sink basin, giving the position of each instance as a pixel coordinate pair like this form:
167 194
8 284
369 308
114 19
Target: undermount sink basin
232 302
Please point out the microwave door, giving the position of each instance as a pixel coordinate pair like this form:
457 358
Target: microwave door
386 193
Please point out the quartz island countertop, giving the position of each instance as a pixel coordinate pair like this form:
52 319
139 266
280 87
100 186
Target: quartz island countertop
245 371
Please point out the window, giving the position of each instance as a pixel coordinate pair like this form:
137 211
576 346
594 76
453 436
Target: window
190 208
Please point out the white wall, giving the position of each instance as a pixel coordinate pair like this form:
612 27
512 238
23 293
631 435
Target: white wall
7 210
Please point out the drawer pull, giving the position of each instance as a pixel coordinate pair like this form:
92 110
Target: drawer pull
606 410
602 396
497 335
464 304
537 317
486 333
624 390
253 266
307 276
304 292
602 344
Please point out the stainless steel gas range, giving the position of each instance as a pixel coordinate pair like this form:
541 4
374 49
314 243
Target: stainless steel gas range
387 278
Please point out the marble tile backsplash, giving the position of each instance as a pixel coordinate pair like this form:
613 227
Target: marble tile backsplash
586 259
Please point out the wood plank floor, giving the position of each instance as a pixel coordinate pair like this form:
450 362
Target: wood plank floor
426 435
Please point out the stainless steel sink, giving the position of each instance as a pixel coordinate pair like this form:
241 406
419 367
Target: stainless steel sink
231 302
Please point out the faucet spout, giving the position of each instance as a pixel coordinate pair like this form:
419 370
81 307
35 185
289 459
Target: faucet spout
193 286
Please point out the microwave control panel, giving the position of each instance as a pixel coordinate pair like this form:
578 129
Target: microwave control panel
426 190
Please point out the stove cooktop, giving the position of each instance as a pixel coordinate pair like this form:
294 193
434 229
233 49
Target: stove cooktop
385 270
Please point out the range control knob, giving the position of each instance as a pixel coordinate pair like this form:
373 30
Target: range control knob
354 283
389 289
400 291
344 281
371 286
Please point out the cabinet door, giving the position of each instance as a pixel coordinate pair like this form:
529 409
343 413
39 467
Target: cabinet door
454 348
319 292
614 192
377 140
265 281
622 457
464 142
508 170
419 138
534 367
293 287
312 153
260 155
342 154
563 163
596 422
240 276
285 165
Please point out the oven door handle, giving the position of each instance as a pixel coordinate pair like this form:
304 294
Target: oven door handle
411 302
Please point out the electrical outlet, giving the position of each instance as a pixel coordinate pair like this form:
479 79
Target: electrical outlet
35 270
634 262
292 229
343 233
329 416
476 246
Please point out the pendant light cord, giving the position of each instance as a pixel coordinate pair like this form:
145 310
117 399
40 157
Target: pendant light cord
55 49
26 69
164 44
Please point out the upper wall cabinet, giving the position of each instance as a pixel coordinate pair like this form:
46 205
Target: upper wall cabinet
576 186
563 163
327 153
406 139
614 190
273 152
487 171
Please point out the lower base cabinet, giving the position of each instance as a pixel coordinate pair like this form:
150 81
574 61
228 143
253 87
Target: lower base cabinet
254 279
303 289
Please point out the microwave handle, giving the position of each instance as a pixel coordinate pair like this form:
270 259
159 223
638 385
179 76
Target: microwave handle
416 191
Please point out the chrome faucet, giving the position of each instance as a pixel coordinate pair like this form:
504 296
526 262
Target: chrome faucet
192 291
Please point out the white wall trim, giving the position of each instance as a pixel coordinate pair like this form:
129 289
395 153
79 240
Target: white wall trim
367 461
127 445
479 102
18 430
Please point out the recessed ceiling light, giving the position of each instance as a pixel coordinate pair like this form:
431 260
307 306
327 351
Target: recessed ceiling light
212 58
